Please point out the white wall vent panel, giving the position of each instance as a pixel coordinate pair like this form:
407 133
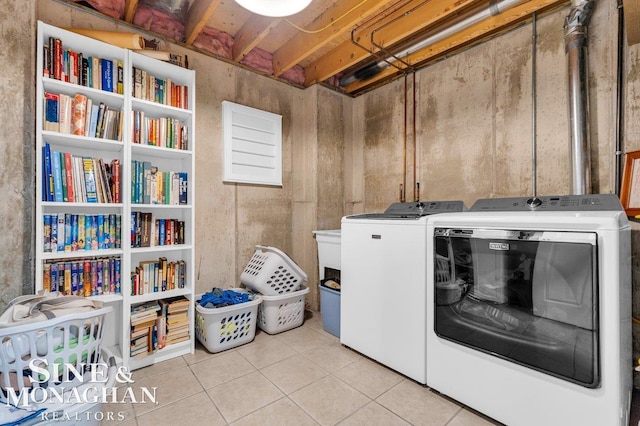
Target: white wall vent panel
252 145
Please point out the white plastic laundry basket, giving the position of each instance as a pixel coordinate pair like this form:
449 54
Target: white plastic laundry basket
56 413
219 329
283 312
271 272
52 345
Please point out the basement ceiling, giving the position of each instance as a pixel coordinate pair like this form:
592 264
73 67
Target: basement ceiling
334 42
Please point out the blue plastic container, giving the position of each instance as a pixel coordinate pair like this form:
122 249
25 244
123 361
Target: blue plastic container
330 310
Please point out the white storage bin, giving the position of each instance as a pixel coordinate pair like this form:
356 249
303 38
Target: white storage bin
283 312
271 272
329 244
219 329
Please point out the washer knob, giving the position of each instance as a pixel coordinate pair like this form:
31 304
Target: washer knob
534 202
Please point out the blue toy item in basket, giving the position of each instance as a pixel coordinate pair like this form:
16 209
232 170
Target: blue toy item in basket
218 298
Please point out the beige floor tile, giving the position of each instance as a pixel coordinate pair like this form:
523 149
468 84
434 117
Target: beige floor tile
283 412
130 422
314 321
159 368
214 371
197 409
329 400
469 418
241 396
373 414
418 405
267 352
170 387
332 356
117 413
293 373
302 339
369 377
200 354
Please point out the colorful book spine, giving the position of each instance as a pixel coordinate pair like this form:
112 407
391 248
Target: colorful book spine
107 75
57 176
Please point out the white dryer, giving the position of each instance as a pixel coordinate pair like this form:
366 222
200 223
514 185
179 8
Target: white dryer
529 309
383 284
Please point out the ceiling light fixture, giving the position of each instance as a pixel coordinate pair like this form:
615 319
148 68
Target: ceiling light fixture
274 8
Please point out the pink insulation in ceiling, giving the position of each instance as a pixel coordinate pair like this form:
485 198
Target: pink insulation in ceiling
211 40
112 8
159 22
214 41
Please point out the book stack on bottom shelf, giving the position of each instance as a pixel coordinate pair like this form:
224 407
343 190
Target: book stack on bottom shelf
156 324
177 320
144 328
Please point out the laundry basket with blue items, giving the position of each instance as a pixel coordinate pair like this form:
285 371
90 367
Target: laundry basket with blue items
226 318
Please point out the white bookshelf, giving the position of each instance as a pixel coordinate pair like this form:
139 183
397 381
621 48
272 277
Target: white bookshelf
126 151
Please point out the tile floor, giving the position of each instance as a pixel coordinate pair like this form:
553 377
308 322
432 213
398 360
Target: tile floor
299 377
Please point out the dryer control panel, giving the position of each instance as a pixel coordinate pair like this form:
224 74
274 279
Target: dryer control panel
588 202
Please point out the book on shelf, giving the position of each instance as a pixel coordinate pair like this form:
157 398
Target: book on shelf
79 115
83 277
51 120
64 113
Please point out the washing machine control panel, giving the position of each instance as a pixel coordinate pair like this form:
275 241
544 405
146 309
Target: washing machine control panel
423 208
589 202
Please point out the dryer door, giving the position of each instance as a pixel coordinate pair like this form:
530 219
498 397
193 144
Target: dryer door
526 296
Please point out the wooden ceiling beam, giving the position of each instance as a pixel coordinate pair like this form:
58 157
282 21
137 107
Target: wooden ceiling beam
478 31
251 34
388 31
130 7
197 17
340 17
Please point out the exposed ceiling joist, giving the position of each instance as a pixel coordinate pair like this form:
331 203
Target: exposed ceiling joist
340 38
251 34
477 32
197 17
413 19
340 17
130 7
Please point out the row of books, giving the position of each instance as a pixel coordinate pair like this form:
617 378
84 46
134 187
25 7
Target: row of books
83 277
165 132
154 276
149 185
157 324
76 179
65 232
81 116
147 231
85 70
164 91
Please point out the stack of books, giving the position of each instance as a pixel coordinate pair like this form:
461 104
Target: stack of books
144 320
177 311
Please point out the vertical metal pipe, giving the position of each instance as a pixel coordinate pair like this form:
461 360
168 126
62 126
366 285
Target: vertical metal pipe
575 37
534 105
619 98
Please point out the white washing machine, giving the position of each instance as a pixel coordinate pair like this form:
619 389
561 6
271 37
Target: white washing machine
383 284
529 318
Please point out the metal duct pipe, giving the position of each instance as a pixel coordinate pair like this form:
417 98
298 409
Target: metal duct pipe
494 8
575 37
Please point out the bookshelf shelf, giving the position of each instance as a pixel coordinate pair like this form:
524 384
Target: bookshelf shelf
83 142
105 75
